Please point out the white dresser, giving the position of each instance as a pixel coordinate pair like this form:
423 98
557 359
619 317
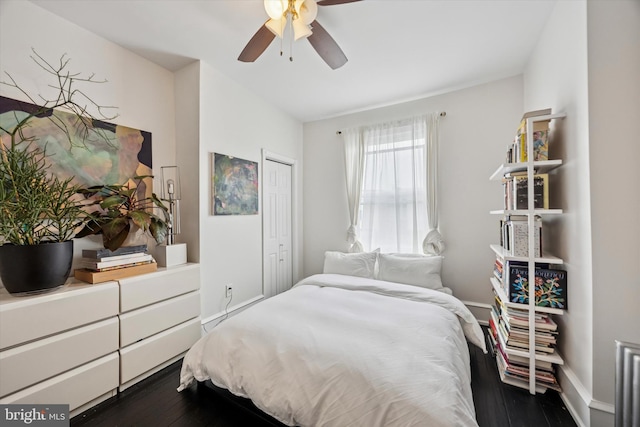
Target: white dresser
159 320
60 347
81 344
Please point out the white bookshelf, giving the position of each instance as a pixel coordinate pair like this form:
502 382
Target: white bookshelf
541 166
545 258
538 212
531 168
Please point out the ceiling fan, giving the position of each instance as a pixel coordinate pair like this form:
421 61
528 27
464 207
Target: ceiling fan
300 16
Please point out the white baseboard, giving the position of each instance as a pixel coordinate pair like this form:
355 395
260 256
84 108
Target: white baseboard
579 400
233 310
477 304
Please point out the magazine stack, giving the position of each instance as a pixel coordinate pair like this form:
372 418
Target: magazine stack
101 265
510 337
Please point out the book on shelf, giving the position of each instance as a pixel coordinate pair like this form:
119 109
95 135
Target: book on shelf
504 277
515 237
510 339
543 378
104 276
90 264
541 338
543 365
115 257
542 321
516 195
103 252
118 267
521 342
541 145
540 192
550 286
523 368
540 133
498 269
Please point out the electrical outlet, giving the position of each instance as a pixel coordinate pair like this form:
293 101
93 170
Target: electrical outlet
229 291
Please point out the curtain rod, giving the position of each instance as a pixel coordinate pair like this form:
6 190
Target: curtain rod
442 114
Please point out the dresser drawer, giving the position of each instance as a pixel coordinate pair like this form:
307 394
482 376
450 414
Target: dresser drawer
142 356
25 319
28 364
140 291
75 387
144 322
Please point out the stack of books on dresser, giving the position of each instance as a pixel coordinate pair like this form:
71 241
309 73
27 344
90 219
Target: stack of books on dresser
101 265
509 334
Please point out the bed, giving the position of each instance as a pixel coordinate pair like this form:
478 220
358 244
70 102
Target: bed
344 350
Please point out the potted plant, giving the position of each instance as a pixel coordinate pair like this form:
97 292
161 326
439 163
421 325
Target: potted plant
122 211
40 212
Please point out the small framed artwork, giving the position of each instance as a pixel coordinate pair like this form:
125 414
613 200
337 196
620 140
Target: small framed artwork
234 185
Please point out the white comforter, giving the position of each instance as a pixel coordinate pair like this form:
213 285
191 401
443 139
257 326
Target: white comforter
346 351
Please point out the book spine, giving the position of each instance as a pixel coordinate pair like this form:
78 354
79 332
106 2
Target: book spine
116 263
131 256
103 252
117 267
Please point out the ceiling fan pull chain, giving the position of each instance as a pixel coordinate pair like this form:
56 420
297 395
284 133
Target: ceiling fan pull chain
291 39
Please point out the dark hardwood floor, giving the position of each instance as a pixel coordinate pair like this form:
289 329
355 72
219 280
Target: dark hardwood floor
155 402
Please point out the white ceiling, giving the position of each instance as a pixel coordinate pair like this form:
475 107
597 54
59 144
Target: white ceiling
398 50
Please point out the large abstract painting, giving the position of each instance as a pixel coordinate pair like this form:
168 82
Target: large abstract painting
235 186
110 154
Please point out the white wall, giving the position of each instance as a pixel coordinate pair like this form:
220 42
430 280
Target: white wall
232 121
187 91
614 109
556 77
474 136
587 64
211 113
142 91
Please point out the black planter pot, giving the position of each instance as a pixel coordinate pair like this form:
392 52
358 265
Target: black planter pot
33 269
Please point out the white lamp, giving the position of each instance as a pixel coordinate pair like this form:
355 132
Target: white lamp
300 29
276 8
171 253
277 26
171 194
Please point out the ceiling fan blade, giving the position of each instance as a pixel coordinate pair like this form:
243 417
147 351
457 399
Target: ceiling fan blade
332 2
258 43
326 46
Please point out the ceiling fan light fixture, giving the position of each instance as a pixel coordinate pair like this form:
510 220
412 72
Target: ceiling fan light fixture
277 26
300 29
300 16
275 8
308 11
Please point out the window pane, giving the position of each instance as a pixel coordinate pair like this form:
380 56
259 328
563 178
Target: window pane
393 204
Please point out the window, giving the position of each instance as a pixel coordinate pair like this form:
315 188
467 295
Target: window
392 181
393 210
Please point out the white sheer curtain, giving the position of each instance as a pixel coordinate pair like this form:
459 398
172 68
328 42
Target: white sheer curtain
433 243
391 187
354 169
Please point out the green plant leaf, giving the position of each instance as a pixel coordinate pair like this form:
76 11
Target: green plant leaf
141 218
112 201
115 232
158 230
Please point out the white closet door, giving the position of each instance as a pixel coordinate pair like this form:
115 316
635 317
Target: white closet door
277 228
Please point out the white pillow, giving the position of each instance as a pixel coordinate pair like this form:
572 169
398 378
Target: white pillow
361 264
423 271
